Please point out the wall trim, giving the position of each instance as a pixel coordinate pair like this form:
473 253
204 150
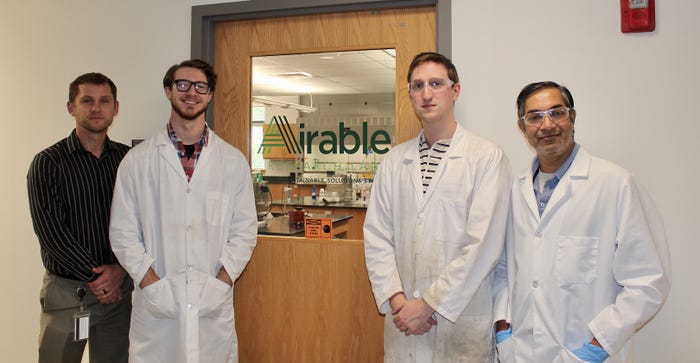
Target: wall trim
204 17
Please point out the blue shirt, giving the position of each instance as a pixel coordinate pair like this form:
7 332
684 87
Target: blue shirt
543 196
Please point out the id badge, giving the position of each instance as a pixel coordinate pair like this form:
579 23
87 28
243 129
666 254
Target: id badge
81 325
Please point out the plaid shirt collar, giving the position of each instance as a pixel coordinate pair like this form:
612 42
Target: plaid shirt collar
180 146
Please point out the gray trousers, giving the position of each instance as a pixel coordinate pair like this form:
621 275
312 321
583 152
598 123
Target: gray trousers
109 323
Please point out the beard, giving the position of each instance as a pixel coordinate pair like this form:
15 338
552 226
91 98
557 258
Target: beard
185 115
565 145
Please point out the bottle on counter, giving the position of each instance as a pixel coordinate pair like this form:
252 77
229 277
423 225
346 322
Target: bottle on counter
296 217
313 194
364 193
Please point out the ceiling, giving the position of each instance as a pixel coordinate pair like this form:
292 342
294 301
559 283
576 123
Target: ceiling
353 72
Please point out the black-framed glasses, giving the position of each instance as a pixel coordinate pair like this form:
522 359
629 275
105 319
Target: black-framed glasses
557 115
436 84
184 85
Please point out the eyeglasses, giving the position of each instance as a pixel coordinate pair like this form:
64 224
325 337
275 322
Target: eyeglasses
436 84
184 85
557 115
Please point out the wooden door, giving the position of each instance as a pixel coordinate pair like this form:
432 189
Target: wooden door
409 31
330 315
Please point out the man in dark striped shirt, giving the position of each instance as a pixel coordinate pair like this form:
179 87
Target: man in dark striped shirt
70 191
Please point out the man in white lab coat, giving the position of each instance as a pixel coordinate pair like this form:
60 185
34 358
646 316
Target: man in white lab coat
435 229
184 226
586 255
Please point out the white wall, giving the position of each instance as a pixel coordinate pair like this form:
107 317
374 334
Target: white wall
634 95
636 98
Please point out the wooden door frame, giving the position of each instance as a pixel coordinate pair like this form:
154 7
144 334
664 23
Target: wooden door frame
205 17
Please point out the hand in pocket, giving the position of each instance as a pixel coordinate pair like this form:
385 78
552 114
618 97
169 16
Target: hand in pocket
160 300
216 297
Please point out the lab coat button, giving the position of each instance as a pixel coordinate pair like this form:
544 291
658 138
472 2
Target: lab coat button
534 284
529 331
416 294
189 306
539 234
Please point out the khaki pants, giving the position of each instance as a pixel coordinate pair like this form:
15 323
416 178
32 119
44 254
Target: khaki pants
109 324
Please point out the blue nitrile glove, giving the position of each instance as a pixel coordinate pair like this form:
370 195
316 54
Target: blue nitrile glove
591 353
502 335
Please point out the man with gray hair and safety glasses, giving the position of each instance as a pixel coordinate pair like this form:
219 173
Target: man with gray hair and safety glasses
586 263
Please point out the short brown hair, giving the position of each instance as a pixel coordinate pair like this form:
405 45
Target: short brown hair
435 58
192 63
90 78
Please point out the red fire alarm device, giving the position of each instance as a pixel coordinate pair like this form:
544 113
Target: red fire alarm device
637 16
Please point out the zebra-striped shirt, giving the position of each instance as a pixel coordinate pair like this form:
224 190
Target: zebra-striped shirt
430 158
70 194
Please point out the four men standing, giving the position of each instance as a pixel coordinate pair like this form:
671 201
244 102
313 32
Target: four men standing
585 265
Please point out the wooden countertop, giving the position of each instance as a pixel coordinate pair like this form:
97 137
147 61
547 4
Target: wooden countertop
308 202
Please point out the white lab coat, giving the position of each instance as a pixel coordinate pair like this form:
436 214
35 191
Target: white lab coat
441 246
186 232
595 264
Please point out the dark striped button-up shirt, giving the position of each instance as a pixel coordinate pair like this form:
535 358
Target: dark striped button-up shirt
70 194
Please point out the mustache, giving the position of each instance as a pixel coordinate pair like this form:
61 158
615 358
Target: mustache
548 134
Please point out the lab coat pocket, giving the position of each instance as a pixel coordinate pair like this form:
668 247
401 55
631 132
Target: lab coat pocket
159 299
450 223
576 260
505 350
217 296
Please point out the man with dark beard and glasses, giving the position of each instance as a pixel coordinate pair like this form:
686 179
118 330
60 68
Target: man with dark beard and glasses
184 226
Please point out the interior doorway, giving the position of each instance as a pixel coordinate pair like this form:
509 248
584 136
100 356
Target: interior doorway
231 44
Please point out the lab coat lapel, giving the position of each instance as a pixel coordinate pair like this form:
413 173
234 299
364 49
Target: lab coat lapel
579 169
203 159
527 193
412 158
456 150
169 154
561 193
